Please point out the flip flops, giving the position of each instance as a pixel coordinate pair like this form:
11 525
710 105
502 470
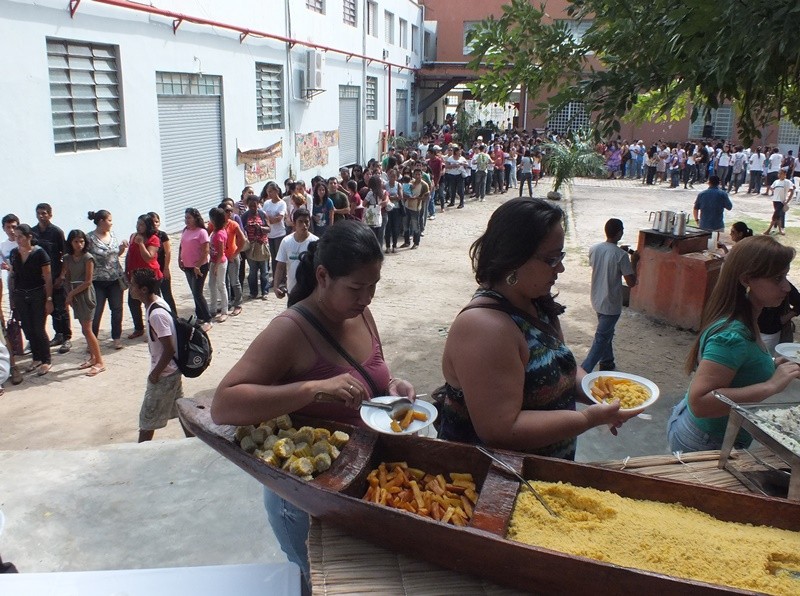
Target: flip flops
33 366
43 370
87 364
95 370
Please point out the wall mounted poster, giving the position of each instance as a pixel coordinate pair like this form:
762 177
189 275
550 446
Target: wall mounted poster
312 147
259 164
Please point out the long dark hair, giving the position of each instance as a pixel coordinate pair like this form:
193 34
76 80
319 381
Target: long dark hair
344 248
198 219
514 233
317 199
149 225
71 236
753 257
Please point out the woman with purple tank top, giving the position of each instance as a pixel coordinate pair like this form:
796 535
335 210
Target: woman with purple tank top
336 281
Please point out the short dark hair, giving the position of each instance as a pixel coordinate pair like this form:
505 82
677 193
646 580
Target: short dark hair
713 180
10 218
145 278
71 236
217 217
300 212
613 227
45 207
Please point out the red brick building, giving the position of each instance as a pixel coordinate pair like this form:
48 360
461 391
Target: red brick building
444 74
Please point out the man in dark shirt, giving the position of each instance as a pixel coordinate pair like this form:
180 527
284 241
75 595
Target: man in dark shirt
51 239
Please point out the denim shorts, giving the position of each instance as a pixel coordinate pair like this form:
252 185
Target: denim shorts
685 436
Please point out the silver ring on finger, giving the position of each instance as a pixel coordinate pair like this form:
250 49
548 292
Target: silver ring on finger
350 389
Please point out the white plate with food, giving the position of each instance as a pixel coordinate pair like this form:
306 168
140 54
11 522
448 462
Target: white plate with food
634 392
424 414
789 351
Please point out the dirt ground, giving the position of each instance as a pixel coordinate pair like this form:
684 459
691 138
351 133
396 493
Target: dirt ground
419 295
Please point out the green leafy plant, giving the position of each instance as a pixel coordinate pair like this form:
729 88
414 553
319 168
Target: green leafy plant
646 60
570 157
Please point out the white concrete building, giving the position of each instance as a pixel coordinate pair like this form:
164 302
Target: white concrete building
135 106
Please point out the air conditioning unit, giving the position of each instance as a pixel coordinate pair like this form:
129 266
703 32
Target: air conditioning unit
314 67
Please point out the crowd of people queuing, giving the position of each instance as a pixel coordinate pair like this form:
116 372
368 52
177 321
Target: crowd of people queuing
260 237
695 161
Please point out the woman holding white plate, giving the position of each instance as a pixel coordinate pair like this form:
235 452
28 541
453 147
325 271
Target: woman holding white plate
511 382
729 356
336 280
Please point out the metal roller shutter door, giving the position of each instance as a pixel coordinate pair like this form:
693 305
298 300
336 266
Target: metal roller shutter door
191 156
348 130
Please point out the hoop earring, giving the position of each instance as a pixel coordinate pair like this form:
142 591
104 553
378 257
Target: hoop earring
511 278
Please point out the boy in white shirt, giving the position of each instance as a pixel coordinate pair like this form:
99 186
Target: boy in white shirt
164 383
290 250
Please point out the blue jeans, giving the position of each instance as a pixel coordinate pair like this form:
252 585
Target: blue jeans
290 525
602 351
233 281
257 268
684 435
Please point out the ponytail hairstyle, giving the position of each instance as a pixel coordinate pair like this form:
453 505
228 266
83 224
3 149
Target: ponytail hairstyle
345 247
742 229
98 216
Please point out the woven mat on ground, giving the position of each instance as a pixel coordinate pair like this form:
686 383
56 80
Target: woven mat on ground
700 467
343 564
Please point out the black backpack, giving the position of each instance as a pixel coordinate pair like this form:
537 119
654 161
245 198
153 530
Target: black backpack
194 345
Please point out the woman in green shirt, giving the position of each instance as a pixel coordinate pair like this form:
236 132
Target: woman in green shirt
728 355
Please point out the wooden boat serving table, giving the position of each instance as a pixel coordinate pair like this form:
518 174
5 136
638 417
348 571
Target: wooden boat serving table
480 548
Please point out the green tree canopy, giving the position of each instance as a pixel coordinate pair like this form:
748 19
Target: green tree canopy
648 60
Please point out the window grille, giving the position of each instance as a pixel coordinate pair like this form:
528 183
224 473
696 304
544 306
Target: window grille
572 116
316 5
371 98
269 96
350 13
388 25
85 95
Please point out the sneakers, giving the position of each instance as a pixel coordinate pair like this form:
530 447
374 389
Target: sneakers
65 347
57 340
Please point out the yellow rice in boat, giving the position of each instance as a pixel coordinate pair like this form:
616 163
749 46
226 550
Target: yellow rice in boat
665 538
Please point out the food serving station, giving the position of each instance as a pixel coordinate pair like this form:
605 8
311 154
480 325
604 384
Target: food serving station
676 271
480 547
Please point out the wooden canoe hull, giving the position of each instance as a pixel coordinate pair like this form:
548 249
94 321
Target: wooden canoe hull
481 548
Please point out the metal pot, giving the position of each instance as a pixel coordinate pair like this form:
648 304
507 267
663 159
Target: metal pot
665 221
679 226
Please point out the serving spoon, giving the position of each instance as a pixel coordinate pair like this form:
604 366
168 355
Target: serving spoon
511 470
396 408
